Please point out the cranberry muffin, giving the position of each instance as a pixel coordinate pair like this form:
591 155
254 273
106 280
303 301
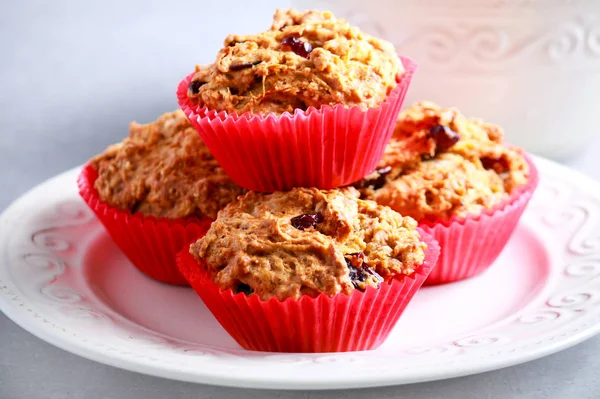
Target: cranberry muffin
309 102
156 192
308 270
457 177
305 59
440 164
163 169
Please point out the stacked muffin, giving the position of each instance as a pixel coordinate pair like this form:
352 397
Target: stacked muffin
457 178
312 101
297 235
156 192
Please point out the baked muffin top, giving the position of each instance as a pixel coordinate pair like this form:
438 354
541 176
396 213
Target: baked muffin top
440 164
308 241
163 169
305 59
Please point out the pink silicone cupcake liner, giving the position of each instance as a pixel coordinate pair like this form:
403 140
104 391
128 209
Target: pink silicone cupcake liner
325 148
150 244
470 245
341 323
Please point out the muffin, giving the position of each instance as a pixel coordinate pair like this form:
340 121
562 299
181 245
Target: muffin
306 59
157 191
270 98
445 170
337 268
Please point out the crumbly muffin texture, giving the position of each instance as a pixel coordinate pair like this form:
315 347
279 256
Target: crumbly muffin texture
308 241
305 59
163 169
440 164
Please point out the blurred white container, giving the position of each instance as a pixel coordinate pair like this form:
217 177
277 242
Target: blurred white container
532 66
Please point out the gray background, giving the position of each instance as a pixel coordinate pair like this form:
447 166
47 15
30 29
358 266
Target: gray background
72 76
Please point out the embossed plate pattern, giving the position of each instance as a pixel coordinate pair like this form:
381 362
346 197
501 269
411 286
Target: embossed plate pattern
62 279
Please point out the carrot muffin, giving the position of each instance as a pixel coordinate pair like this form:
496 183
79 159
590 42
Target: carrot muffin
441 164
308 241
163 169
306 59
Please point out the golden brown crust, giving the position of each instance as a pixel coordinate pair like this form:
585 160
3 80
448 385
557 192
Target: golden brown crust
445 186
303 242
441 164
163 169
261 73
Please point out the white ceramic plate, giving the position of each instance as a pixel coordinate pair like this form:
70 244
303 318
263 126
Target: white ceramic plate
62 279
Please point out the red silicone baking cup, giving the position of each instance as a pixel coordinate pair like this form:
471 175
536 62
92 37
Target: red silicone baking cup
151 244
325 148
470 245
341 323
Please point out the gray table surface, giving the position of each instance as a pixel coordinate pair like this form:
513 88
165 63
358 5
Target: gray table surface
72 76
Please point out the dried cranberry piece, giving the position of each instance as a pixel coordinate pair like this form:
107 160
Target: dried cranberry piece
307 220
444 137
357 276
195 86
243 65
297 45
499 164
359 270
245 288
380 180
375 182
